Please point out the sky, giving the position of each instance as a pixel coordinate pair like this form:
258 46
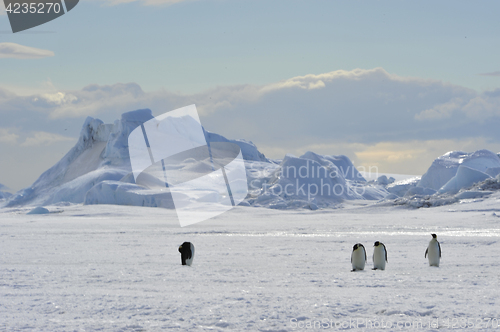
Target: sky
391 84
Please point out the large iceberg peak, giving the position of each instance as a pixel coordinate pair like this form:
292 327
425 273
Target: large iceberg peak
116 151
101 153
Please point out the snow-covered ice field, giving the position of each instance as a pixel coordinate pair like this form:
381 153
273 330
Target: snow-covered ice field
117 268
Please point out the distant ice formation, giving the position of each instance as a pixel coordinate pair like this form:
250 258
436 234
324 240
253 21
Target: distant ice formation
97 170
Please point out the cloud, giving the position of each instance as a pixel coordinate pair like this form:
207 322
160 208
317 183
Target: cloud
476 107
494 73
21 165
484 106
441 111
94 99
13 136
415 156
16 51
358 106
44 138
7 136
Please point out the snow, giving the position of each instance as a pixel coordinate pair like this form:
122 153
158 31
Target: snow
99 251
344 165
120 193
465 177
373 174
384 181
117 268
446 166
418 197
493 171
311 181
419 191
400 188
303 172
71 174
248 149
4 195
472 194
86 162
39 210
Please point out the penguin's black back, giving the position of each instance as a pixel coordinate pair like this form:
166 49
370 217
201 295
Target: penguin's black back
185 250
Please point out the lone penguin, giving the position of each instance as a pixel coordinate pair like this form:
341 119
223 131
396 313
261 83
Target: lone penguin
187 253
379 256
358 257
434 251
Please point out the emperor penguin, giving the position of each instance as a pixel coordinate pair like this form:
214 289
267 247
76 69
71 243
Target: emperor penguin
358 257
379 256
434 251
187 253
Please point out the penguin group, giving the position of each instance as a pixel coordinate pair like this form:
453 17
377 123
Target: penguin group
359 258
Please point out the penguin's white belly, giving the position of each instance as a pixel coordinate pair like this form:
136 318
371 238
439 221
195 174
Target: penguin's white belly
189 261
358 260
433 254
379 259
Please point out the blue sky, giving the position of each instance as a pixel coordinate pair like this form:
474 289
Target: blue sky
195 45
420 92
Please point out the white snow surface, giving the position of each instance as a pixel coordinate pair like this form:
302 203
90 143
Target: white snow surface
117 268
263 266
